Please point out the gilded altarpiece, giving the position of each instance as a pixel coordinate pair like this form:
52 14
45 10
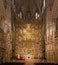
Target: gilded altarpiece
28 39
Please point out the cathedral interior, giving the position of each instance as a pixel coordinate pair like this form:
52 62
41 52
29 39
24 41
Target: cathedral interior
29 31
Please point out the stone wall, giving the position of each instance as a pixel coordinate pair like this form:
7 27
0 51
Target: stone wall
2 48
51 52
5 20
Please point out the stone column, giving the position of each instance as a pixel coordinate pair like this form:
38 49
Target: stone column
7 30
50 35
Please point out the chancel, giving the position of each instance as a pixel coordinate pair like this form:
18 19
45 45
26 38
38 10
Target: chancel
29 31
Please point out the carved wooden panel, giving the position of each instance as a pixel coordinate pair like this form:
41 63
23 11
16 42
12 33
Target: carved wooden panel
28 39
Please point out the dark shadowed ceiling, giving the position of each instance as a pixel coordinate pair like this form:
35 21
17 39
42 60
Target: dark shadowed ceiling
29 5
26 5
